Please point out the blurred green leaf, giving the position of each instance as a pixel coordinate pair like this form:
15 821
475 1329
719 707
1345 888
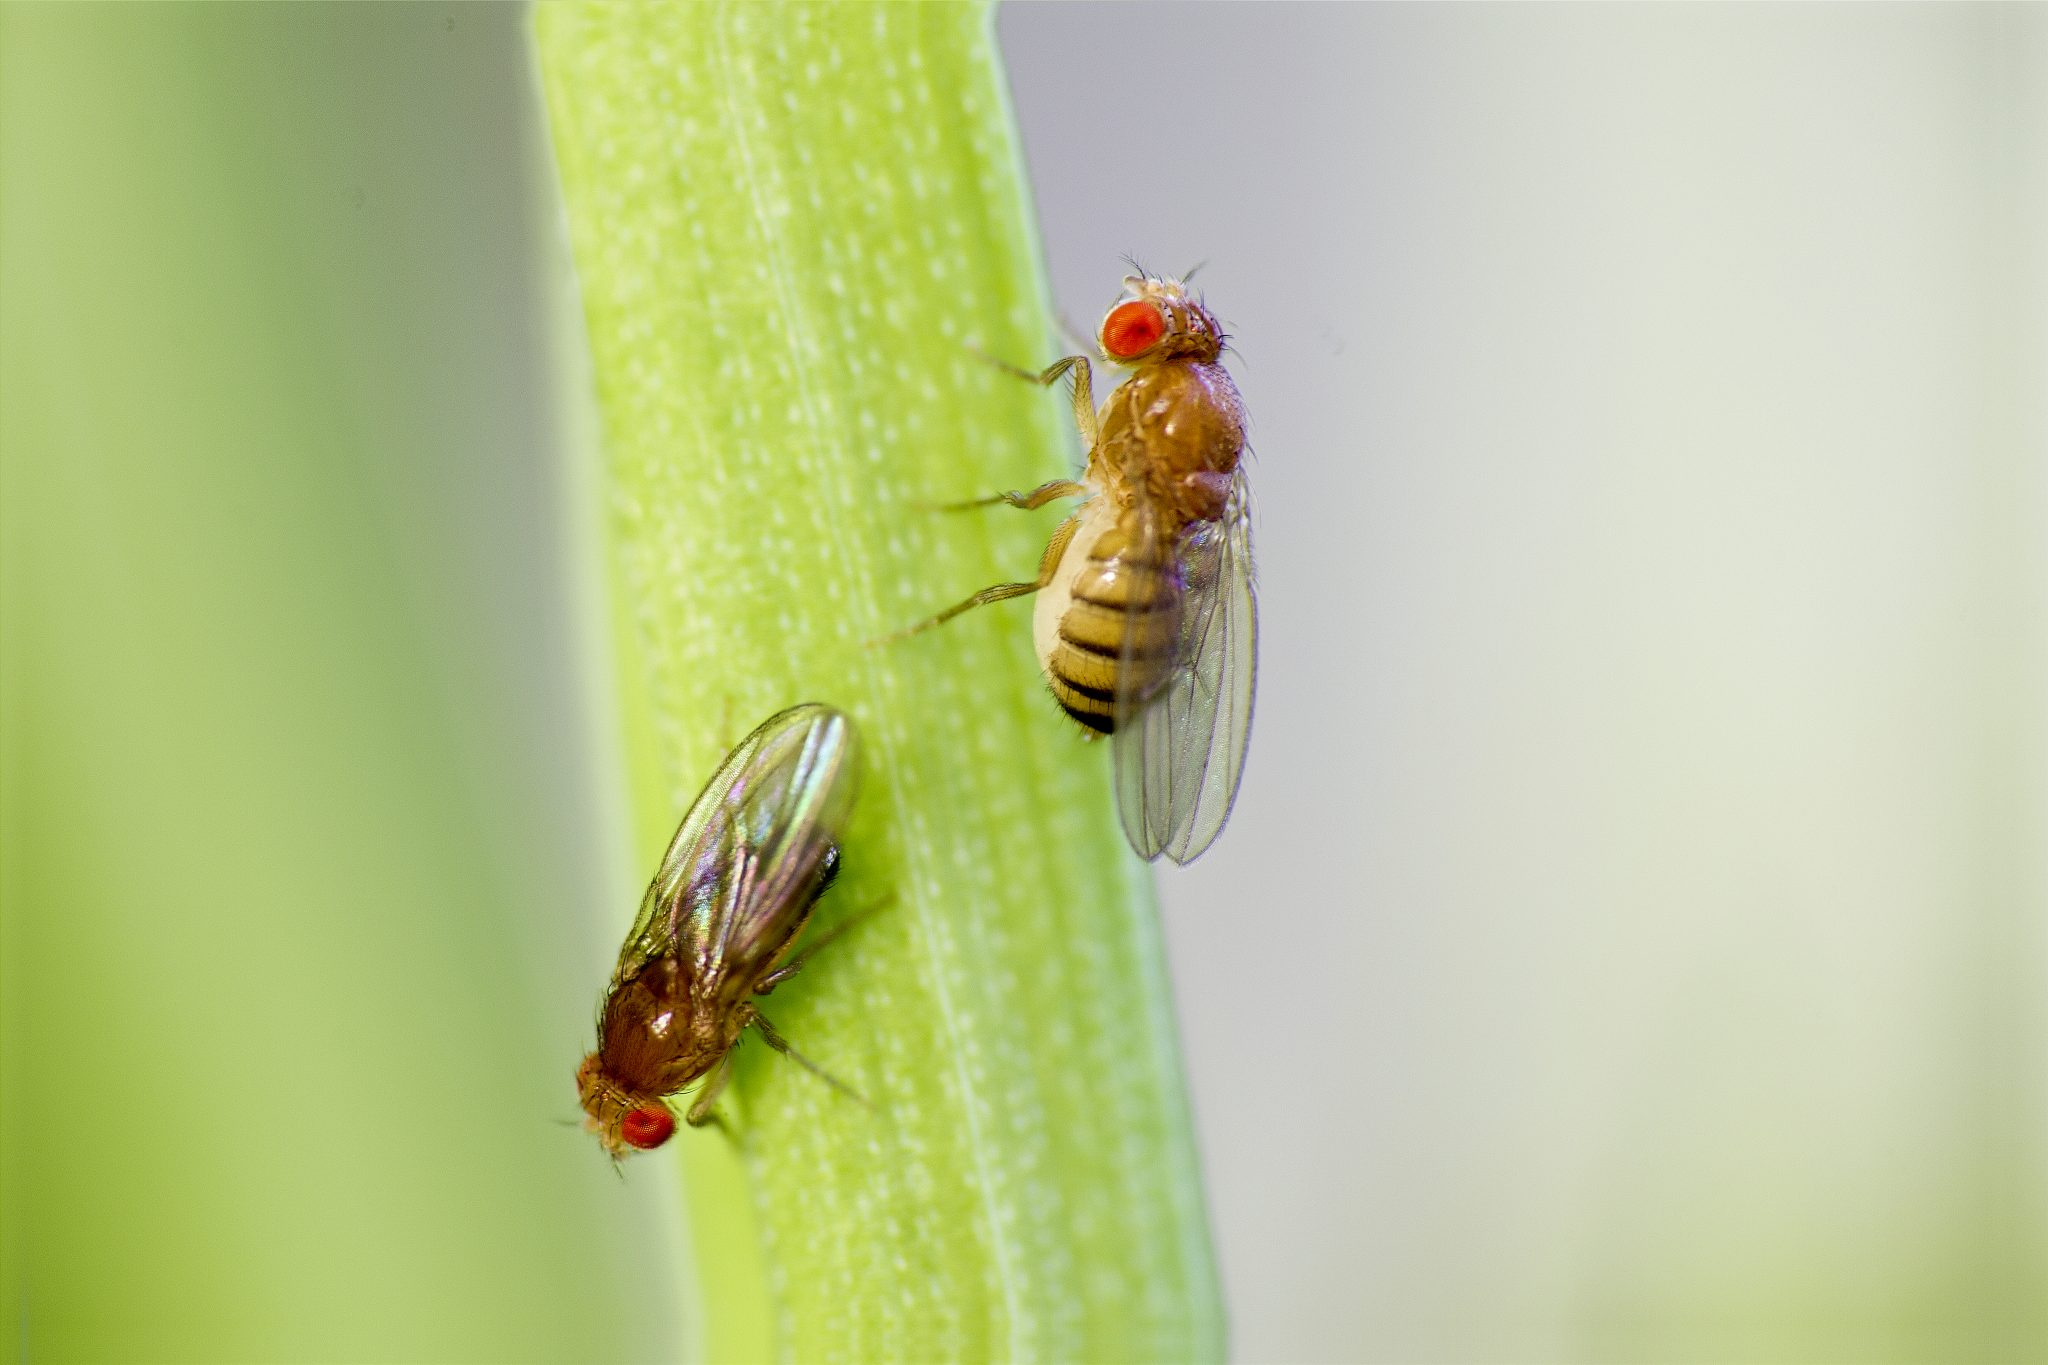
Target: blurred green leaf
791 224
297 830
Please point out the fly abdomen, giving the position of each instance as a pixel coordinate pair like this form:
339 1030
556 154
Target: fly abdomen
1124 613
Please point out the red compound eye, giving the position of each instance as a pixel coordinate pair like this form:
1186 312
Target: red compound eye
1131 329
647 1128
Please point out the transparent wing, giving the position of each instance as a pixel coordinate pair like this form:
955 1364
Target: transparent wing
748 858
1180 736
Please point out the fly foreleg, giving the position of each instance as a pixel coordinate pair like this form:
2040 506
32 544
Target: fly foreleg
1084 393
1084 387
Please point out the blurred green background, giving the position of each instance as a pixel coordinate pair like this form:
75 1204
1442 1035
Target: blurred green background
307 845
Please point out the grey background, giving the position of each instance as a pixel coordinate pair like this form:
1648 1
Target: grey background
1629 942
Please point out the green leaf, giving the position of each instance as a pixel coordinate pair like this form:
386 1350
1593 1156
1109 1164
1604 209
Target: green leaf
791 228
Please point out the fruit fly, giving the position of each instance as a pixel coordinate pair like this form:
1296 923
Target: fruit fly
718 926
1146 625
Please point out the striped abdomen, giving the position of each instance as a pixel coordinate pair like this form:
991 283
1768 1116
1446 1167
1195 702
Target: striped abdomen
1108 589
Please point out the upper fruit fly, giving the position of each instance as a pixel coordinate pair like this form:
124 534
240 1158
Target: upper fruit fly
719 925
1146 626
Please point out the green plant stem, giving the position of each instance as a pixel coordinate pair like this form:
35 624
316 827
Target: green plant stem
791 227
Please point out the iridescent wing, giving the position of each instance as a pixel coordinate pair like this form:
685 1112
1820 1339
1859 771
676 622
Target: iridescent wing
1180 741
751 855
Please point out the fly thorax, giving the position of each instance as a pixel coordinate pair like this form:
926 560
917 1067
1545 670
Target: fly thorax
1204 494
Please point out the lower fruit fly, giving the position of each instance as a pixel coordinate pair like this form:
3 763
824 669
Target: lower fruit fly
1146 626
719 926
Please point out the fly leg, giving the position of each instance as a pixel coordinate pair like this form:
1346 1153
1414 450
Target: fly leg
788 969
781 1045
1001 592
1037 497
1076 338
828 873
1084 387
700 1111
1084 393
